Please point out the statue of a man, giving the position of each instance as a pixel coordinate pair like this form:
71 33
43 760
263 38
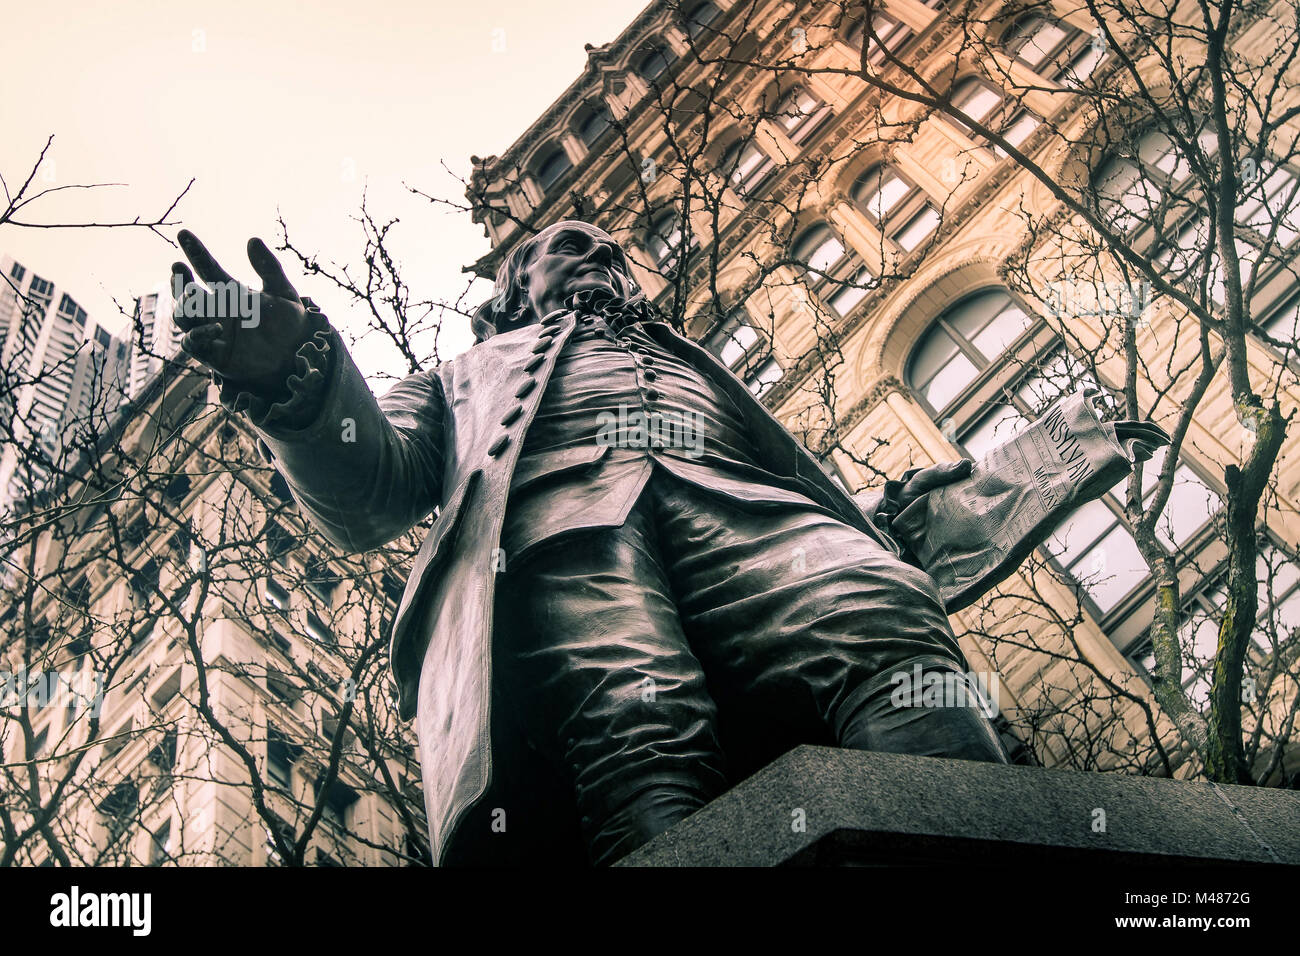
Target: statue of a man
639 586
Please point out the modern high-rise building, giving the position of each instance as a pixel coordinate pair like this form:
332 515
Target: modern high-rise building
850 255
62 372
191 673
154 338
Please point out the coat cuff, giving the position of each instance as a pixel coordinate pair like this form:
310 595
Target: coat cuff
305 387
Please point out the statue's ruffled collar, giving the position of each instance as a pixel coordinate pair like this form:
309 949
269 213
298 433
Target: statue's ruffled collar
616 310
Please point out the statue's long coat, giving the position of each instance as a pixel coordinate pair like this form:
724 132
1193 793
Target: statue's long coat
367 470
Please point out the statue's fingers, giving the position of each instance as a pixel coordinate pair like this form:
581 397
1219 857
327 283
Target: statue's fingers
204 264
268 267
936 476
182 282
204 342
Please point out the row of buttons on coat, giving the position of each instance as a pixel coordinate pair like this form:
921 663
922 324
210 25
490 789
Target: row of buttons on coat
550 329
643 357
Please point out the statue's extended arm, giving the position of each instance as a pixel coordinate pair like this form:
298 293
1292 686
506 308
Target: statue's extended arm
363 470
970 525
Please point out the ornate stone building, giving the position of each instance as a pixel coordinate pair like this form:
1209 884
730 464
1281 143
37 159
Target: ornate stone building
862 263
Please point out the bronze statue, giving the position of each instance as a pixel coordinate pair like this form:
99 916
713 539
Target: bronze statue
639 587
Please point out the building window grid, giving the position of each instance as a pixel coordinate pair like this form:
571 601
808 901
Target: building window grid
899 208
1053 49
833 272
1150 193
1028 389
890 35
1278 577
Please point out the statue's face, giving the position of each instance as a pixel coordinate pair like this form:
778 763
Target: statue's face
573 257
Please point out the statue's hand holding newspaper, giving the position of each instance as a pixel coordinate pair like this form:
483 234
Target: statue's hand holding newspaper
972 533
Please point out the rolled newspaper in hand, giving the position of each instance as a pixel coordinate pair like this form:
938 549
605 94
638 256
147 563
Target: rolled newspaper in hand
971 534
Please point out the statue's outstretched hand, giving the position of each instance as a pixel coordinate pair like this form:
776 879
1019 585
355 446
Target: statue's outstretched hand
248 337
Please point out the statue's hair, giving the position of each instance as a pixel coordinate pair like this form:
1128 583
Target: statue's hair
509 305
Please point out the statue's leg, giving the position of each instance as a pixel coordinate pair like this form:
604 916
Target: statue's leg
929 707
801 619
592 649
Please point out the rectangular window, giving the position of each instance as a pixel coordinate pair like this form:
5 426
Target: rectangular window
277 596
918 228
318 632
278 541
768 374
280 758
320 581
337 802
163 756
285 833
160 844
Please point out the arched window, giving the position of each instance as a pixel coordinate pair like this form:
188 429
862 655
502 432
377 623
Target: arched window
666 241
700 16
653 63
969 340
1053 49
800 114
901 210
833 273
594 125
889 34
994 109
554 165
983 370
747 352
746 166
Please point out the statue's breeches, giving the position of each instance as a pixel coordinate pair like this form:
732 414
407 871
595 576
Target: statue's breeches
640 655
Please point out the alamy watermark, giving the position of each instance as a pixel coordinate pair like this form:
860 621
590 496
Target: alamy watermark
40 689
227 300
80 908
633 427
946 688
1110 300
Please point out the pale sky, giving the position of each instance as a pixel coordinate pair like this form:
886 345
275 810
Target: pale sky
273 104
